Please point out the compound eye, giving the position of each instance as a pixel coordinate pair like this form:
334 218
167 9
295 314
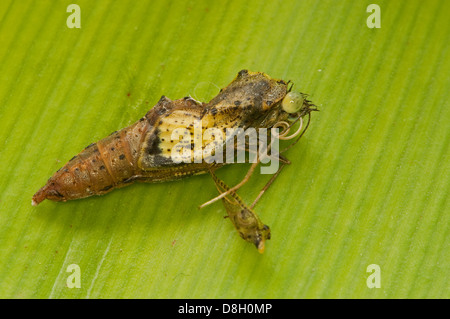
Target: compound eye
292 102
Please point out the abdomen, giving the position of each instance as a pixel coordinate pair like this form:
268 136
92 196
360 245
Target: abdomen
99 168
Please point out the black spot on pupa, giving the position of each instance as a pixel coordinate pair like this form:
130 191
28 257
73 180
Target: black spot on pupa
106 188
153 144
128 180
56 193
237 103
102 167
161 160
122 156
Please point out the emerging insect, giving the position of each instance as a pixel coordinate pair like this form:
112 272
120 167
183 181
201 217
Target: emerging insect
246 222
144 151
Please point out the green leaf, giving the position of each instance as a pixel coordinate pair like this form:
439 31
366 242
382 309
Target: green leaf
368 183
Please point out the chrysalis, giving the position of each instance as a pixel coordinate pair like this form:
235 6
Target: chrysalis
143 151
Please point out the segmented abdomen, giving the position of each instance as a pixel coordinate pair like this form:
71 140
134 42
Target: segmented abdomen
99 168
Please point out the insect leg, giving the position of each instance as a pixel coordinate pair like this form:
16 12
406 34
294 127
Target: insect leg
284 161
247 178
272 179
234 188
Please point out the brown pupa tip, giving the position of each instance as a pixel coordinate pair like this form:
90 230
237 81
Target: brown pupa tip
38 197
